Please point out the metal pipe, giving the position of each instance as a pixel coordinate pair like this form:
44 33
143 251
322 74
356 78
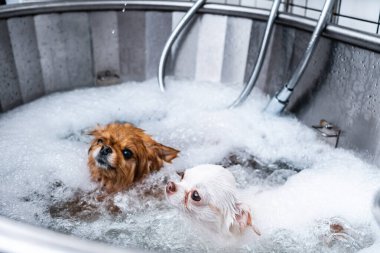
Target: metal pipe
260 59
278 103
181 25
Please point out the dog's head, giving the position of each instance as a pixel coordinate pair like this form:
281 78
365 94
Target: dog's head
207 194
121 154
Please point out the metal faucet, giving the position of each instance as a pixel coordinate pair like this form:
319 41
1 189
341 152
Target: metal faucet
278 103
173 36
260 59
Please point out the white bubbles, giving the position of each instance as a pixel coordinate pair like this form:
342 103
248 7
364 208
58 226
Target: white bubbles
295 183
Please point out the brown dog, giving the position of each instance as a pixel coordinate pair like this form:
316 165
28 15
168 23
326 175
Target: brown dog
122 154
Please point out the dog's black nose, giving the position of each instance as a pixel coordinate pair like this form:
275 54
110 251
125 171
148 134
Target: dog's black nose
105 150
170 187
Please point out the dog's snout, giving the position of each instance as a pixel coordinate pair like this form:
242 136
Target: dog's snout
170 187
105 150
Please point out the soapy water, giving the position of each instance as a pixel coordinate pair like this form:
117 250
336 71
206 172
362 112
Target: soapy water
305 195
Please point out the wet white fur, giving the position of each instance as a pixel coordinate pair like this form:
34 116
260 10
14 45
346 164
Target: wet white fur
219 203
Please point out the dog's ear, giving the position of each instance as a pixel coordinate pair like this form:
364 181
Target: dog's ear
94 131
166 153
243 218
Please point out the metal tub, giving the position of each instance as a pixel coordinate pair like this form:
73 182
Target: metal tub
58 46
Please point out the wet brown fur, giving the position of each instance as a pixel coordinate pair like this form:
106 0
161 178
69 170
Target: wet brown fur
148 156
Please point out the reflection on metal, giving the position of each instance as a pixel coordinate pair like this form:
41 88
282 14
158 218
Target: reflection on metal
181 25
376 208
278 103
328 130
17 237
260 59
107 77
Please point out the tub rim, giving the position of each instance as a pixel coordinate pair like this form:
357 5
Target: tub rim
19 237
358 38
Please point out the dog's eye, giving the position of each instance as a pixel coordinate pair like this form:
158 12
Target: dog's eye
195 196
181 174
127 153
99 141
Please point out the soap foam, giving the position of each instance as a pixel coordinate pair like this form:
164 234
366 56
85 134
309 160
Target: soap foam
44 154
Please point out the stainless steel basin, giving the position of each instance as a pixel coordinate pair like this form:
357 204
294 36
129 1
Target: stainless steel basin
57 46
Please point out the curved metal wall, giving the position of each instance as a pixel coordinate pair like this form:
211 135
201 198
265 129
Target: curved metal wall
341 85
60 51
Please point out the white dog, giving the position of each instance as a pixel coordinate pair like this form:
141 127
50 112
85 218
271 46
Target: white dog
207 194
